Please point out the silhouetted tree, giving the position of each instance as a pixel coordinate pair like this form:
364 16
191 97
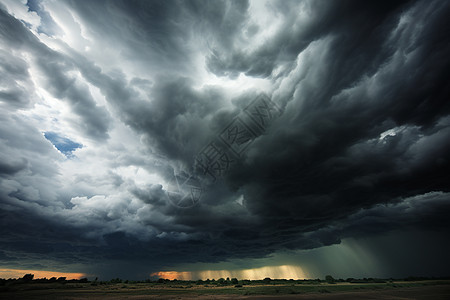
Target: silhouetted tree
329 279
27 277
116 280
234 281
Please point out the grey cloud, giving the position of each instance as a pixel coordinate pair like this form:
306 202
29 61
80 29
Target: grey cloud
157 29
15 82
361 26
12 167
48 25
94 119
173 117
165 34
320 132
427 211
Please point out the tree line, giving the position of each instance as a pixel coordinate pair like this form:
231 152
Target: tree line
29 278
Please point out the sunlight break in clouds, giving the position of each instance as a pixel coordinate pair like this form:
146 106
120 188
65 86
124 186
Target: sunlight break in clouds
13 273
274 272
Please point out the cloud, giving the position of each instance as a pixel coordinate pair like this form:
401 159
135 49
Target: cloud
133 91
58 81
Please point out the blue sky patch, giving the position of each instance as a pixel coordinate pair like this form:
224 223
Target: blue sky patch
63 144
48 25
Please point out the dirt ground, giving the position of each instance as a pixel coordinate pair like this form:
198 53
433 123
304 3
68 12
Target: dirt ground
439 292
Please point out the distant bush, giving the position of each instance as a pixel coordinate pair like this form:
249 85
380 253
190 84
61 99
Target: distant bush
329 279
116 280
27 277
61 280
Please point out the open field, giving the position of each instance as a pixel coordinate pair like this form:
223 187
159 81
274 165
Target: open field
393 290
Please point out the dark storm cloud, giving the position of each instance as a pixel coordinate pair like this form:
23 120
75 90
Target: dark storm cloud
165 33
361 148
326 158
382 67
361 26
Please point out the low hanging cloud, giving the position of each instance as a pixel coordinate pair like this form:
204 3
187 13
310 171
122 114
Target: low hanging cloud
131 92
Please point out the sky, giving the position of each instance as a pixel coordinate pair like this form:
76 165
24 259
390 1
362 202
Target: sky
207 139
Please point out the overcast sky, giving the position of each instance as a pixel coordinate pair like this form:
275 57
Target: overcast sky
139 137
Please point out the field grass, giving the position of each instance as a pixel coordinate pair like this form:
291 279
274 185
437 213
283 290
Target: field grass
125 290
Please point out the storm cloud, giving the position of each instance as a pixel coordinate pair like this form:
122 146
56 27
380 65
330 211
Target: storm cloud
104 102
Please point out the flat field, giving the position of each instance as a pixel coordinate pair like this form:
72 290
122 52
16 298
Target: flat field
438 290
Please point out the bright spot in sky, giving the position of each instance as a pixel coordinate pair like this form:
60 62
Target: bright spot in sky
13 273
274 272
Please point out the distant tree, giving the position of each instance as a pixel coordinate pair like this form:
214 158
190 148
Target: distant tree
27 277
221 280
61 279
267 280
329 279
160 280
234 281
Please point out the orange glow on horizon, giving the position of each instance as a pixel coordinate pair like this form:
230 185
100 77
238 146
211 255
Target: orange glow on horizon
274 272
14 273
173 275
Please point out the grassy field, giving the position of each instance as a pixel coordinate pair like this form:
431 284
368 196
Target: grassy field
182 290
